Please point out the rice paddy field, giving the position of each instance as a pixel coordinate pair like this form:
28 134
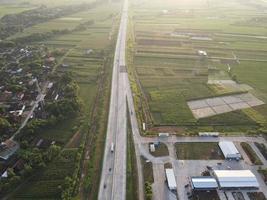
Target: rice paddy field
100 14
52 3
169 38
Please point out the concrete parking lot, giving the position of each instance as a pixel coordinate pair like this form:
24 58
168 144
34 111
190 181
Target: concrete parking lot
184 169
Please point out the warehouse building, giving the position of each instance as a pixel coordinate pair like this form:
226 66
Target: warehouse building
170 179
236 179
229 150
204 183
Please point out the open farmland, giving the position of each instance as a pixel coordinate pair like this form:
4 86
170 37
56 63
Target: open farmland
198 151
171 69
52 3
100 14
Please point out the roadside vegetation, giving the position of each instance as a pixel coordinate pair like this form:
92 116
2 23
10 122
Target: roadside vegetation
251 153
132 176
263 149
256 196
148 178
161 149
263 172
205 195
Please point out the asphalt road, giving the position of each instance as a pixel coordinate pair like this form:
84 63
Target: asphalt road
113 175
39 99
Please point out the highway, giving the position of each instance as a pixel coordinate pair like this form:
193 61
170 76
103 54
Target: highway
113 175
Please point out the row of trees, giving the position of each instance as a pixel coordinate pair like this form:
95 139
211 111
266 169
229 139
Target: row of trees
71 185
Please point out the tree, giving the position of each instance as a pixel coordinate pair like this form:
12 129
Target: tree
4 125
148 190
53 152
27 169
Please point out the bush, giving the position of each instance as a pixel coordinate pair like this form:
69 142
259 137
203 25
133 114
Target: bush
148 191
262 149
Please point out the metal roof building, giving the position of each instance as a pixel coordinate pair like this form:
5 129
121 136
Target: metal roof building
8 148
171 179
229 150
204 183
236 179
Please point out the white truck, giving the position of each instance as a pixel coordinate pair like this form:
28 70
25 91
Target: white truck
112 147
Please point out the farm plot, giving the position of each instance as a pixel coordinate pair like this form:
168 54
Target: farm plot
171 71
100 16
13 9
168 82
217 105
52 3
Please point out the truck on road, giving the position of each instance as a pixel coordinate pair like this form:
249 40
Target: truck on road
112 147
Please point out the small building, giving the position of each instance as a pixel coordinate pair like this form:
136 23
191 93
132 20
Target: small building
202 53
236 179
229 150
152 147
208 134
4 174
165 11
50 59
64 65
163 135
204 183
56 98
50 85
144 126
8 148
170 179
88 51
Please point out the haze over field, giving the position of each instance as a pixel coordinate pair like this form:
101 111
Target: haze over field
133 99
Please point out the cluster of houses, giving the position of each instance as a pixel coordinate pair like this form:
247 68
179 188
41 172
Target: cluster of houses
19 84
23 76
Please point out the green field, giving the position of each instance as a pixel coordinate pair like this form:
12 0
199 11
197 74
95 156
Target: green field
198 151
52 3
169 71
160 150
13 9
101 15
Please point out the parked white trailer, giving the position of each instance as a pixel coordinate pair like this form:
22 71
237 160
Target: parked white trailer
170 179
